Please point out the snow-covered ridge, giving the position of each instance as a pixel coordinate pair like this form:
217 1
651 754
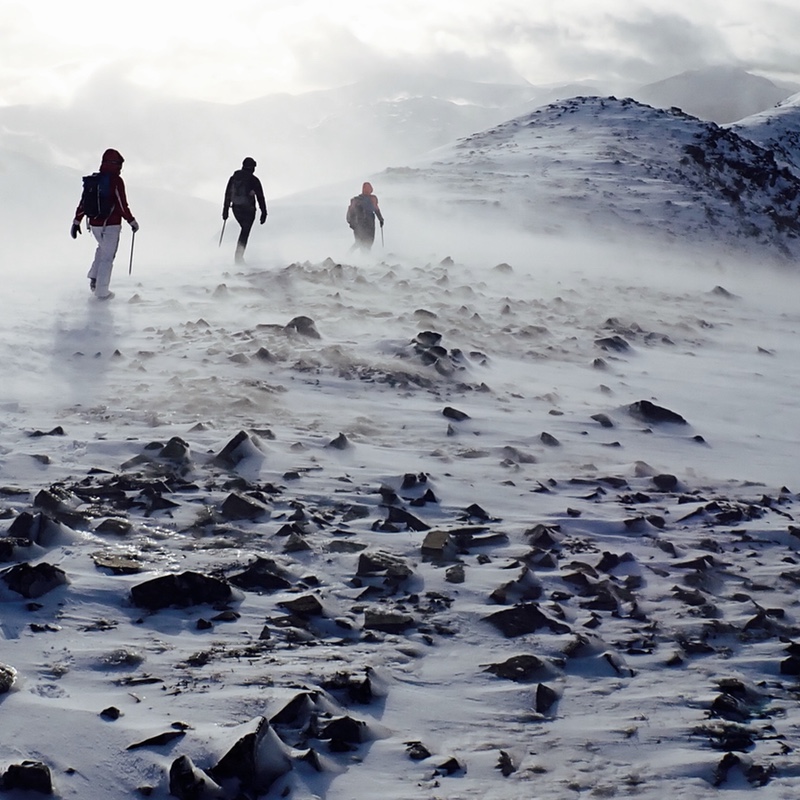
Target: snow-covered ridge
776 129
623 168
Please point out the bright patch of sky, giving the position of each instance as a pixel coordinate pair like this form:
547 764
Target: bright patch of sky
249 48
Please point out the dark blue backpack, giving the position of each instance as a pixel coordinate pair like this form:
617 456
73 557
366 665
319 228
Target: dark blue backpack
97 200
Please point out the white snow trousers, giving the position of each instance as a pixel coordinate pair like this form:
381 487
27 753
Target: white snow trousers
107 243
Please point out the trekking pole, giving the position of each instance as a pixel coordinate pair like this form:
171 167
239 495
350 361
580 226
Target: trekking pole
223 233
130 263
383 244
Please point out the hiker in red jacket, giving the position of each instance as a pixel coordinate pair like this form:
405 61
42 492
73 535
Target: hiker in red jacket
361 215
106 229
241 193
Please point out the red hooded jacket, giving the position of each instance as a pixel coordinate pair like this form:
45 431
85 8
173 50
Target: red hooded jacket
112 163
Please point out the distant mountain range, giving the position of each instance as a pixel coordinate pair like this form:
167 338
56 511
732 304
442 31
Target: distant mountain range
717 94
307 140
544 164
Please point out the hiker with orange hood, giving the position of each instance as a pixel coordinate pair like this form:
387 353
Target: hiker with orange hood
361 215
105 207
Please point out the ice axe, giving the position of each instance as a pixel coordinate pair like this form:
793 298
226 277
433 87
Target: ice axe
130 263
224 220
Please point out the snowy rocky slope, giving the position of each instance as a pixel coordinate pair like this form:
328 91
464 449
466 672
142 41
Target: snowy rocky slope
776 129
617 169
519 523
344 530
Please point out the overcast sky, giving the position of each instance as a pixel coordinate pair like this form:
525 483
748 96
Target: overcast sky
243 49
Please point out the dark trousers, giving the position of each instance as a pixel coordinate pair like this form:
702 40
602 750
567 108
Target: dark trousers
364 233
245 216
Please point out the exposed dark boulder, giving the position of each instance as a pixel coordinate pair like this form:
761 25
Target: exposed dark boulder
181 590
31 776
524 618
455 414
263 575
387 621
254 762
650 412
7 677
519 668
33 581
237 450
187 782
304 326
239 506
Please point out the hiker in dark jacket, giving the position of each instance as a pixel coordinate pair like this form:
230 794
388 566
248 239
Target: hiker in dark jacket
241 193
106 229
361 215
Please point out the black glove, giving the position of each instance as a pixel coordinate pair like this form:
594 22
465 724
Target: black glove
381 223
75 229
263 217
225 213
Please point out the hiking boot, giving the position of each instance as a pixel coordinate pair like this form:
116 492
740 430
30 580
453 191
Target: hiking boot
105 296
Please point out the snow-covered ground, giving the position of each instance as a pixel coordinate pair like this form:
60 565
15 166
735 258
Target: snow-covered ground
453 556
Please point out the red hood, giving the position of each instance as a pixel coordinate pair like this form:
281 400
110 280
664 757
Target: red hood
112 161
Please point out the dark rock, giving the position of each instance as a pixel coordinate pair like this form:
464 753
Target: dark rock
182 590
158 740
236 450
613 343
239 506
115 526
176 449
438 546
417 751
505 764
474 511
387 621
111 713
118 564
790 666
449 767
187 782
379 563
345 729
31 776
524 618
54 499
455 574
455 414
546 698
305 606
262 575
57 431
755 774
542 536
38 528
255 762
7 677
341 442
665 482
33 581
428 338
297 711
650 412
603 419
304 326
518 668
400 516
549 439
